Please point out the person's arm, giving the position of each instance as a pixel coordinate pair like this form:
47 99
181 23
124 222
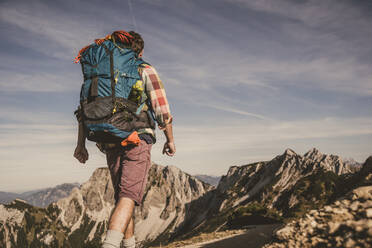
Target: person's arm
159 103
81 152
169 147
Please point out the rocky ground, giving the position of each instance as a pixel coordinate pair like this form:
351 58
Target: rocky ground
345 223
254 236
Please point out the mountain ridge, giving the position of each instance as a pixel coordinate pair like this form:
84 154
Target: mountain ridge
212 180
272 191
177 205
40 197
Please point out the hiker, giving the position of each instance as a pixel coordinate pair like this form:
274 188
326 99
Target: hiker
128 159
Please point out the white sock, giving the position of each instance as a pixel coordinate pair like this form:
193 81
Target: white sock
129 243
113 239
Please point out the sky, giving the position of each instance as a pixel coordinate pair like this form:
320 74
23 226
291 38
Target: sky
245 80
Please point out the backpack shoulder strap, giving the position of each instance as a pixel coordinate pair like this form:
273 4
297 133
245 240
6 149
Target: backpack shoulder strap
110 53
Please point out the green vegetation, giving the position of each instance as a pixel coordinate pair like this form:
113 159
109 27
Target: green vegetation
313 191
2 232
19 205
36 224
252 214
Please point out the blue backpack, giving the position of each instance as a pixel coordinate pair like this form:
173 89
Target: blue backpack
112 96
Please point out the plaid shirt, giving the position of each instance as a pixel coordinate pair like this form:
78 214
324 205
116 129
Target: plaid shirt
156 94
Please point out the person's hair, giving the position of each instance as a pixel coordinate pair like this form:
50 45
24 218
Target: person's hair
137 42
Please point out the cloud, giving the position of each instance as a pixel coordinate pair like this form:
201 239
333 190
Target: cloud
12 115
340 76
224 66
25 135
22 128
39 82
312 12
262 75
248 133
56 33
236 111
33 20
47 143
265 78
38 152
213 148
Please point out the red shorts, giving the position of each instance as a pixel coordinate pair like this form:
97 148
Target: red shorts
129 167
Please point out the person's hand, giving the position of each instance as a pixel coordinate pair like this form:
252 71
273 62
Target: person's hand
169 148
81 154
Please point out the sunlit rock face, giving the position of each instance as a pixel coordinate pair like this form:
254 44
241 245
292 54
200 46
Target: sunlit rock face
287 186
81 218
166 204
272 182
341 224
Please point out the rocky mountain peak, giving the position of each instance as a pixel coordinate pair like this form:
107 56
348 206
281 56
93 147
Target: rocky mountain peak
289 152
81 218
313 153
329 162
273 181
352 164
368 164
172 171
99 174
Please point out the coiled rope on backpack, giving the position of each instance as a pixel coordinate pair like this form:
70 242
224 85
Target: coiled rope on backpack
121 36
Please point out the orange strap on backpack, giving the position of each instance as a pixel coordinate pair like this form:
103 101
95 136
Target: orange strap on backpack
120 35
131 139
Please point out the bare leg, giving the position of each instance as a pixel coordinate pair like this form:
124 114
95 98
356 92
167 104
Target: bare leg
122 215
129 240
130 229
